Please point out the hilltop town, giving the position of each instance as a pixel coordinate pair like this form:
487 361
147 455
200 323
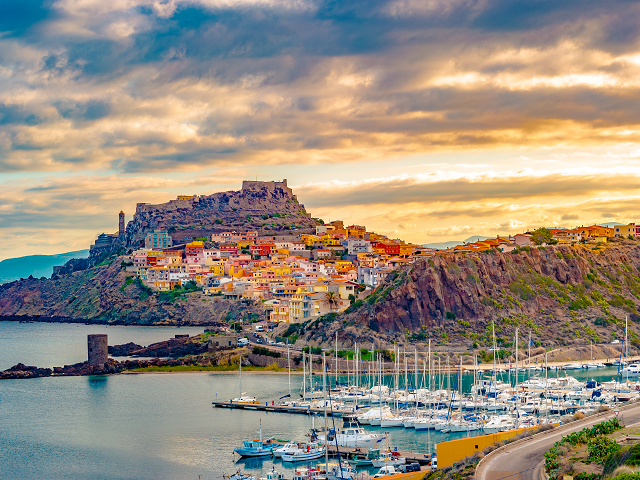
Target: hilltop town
256 254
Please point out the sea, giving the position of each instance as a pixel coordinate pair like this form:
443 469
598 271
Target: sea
148 426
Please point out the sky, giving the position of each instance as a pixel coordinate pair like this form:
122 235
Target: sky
426 120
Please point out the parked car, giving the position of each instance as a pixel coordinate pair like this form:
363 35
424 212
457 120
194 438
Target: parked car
408 468
281 344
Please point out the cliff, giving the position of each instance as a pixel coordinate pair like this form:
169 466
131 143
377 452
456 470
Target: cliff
105 294
562 294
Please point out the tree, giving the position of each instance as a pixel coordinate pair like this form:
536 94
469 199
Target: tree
331 300
541 235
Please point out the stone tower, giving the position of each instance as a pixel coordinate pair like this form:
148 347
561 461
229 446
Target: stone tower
121 223
98 347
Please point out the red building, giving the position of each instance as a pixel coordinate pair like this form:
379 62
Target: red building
262 249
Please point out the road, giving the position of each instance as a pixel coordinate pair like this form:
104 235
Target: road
524 460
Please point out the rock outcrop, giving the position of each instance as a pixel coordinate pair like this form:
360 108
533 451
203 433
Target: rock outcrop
268 207
105 294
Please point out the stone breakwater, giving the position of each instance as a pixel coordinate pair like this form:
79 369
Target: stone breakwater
21 371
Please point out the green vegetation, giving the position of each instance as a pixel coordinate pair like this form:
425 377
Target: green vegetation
541 235
599 446
265 351
178 292
312 350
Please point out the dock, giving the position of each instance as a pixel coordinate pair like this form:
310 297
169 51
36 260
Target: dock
266 407
411 457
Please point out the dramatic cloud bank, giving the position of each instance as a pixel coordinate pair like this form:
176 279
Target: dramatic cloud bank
465 115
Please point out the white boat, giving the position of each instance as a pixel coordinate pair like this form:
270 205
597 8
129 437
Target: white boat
632 370
310 451
273 475
392 422
342 471
286 449
245 399
499 424
388 458
572 366
353 435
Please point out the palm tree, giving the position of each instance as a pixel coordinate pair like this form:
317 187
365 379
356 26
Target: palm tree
331 300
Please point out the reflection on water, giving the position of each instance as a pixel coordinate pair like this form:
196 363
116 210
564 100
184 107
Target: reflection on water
155 426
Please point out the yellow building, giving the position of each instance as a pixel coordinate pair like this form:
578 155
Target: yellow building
217 269
244 244
185 197
625 230
310 239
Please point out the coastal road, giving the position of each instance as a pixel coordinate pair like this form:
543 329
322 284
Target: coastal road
523 460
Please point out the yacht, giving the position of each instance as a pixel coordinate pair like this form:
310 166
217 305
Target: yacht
353 435
499 424
631 370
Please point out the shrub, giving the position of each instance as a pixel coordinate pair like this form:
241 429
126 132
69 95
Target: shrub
265 351
600 447
634 456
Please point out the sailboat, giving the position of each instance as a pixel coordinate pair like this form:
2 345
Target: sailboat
243 399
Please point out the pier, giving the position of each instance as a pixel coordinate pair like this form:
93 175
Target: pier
266 407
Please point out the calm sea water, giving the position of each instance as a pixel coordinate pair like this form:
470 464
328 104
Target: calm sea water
152 426
58 344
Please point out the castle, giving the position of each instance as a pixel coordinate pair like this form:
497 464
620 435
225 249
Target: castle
271 186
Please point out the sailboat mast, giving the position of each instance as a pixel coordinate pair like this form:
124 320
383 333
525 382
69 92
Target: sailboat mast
289 366
429 354
324 404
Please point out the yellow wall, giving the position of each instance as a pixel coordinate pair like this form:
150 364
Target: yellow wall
455 450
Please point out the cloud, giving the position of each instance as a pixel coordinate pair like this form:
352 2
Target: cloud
128 98
145 85
455 186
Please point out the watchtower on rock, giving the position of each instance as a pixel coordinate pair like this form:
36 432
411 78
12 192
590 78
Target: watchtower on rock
98 349
121 223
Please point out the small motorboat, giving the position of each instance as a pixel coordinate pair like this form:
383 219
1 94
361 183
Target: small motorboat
287 448
309 451
256 447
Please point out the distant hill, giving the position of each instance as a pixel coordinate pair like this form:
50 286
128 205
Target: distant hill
453 243
443 245
37 265
611 224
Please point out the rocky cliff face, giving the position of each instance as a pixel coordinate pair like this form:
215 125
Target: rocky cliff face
269 207
561 294
104 294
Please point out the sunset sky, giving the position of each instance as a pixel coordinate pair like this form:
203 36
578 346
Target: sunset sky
426 120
